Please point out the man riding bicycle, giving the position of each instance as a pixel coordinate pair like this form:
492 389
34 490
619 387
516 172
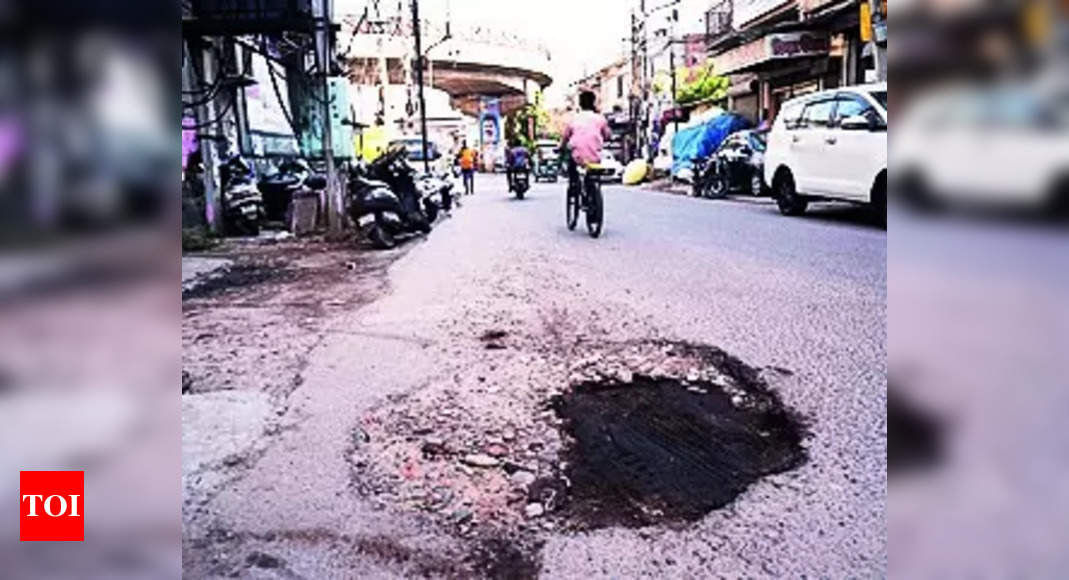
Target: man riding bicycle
585 134
582 141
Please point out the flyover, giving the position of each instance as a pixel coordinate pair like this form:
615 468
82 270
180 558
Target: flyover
467 65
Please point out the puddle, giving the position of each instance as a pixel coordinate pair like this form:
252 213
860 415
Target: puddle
665 449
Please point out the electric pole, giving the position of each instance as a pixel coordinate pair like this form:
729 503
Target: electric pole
210 156
419 81
323 59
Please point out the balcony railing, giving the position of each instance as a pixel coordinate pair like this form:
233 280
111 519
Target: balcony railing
718 20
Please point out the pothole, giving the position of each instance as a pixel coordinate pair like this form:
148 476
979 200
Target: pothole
663 449
627 434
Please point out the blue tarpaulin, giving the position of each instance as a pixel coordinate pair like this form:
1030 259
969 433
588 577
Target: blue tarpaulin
699 142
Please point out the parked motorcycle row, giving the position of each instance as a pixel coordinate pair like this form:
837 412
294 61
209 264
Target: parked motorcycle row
388 199
249 202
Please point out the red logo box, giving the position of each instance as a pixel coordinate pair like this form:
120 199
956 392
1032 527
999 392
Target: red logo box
51 506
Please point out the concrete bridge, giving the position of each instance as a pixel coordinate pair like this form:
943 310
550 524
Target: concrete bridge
471 64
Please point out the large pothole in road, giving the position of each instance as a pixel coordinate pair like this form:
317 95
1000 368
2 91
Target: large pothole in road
627 434
648 449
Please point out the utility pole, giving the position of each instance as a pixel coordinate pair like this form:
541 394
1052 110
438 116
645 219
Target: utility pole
323 59
672 65
213 207
419 81
672 71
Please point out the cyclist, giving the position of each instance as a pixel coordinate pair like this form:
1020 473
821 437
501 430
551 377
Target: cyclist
585 135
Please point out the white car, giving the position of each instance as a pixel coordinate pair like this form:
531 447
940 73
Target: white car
830 145
614 169
994 146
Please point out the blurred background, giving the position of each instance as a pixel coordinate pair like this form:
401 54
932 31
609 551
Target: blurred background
977 262
89 292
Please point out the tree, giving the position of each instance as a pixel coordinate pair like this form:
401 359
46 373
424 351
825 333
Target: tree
516 129
700 83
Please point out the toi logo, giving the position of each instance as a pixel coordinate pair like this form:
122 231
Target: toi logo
51 506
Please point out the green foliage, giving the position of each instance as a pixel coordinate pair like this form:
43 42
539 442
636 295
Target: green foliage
516 125
705 85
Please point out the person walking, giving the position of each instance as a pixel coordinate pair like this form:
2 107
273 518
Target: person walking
466 160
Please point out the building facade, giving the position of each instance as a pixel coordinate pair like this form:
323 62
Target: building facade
774 50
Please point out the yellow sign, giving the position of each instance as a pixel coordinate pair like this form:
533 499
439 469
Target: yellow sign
375 142
866 21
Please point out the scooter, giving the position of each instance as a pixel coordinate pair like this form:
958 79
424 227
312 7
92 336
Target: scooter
279 188
437 193
384 201
243 206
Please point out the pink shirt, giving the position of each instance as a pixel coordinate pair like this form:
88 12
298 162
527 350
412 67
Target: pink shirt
585 135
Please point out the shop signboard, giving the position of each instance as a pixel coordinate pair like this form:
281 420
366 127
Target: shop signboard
795 44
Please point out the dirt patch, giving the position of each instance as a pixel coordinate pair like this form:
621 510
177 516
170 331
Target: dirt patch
661 449
504 559
237 277
251 327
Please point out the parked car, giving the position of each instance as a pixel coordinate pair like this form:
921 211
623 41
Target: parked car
737 166
1002 146
830 145
414 153
613 169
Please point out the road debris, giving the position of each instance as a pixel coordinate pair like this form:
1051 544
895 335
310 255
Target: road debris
480 460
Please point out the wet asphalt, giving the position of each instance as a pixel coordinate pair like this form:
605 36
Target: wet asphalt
803 294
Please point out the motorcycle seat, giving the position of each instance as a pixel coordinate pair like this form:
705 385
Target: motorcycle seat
364 182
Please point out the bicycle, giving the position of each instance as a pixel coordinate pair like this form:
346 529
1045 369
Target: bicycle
584 195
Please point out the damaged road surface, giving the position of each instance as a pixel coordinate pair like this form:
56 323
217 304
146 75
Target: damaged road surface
658 449
698 393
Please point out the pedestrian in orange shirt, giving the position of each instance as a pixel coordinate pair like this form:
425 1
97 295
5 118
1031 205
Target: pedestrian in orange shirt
466 160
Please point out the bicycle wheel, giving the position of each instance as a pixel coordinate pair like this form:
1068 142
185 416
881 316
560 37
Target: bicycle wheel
571 209
594 210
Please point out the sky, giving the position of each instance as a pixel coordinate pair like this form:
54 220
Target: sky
581 35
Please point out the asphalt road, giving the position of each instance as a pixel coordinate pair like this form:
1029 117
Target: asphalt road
805 294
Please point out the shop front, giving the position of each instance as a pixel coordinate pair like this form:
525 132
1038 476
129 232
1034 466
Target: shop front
780 66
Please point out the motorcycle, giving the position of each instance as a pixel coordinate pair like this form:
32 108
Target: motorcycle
520 181
243 206
385 201
279 188
437 194
737 165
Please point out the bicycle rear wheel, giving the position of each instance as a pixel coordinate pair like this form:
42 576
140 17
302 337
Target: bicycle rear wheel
571 209
594 211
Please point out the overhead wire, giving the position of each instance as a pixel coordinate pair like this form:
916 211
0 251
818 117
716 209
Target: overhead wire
278 93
